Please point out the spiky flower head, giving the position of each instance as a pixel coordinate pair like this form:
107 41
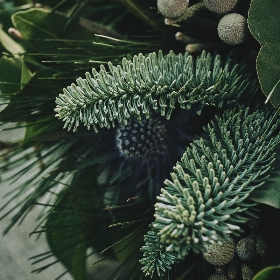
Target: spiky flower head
206 199
247 272
218 276
220 6
172 8
261 245
143 139
246 248
220 253
232 29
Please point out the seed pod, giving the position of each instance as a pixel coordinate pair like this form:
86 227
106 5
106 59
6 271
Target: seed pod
219 254
232 29
246 248
218 276
172 8
220 6
247 272
261 245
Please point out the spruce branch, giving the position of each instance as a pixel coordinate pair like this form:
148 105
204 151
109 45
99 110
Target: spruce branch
206 199
156 257
150 82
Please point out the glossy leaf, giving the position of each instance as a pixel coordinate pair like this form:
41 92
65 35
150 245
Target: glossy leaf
10 74
268 273
65 239
264 24
269 193
36 25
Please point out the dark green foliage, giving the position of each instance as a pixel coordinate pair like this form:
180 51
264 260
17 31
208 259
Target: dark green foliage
207 196
156 258
150 82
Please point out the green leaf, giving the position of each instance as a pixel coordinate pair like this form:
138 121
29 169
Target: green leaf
40 128
264 24
36 25
269 193
268 273
65 240
75 222
34 92
10 74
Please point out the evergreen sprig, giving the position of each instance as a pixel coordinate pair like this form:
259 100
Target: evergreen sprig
156 257
150 82
207 196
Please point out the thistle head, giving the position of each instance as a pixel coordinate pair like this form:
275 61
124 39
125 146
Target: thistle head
220 253
172 9
144 139
220 6
232 29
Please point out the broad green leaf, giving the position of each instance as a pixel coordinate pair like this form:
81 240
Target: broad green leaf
36 93
36 25
41 128
268 273
264 24
75 221
10 74
269 193
65 240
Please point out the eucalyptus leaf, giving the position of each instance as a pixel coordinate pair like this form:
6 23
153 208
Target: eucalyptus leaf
264 24
268 273
269 193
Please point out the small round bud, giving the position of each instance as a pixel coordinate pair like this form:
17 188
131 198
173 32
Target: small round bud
246 248
232 29
219 254
220 268
218 276
261 245
253 223
232 269
172 8
247 272
220 6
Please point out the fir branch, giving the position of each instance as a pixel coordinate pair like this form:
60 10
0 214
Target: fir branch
207 196
150 82
156 257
